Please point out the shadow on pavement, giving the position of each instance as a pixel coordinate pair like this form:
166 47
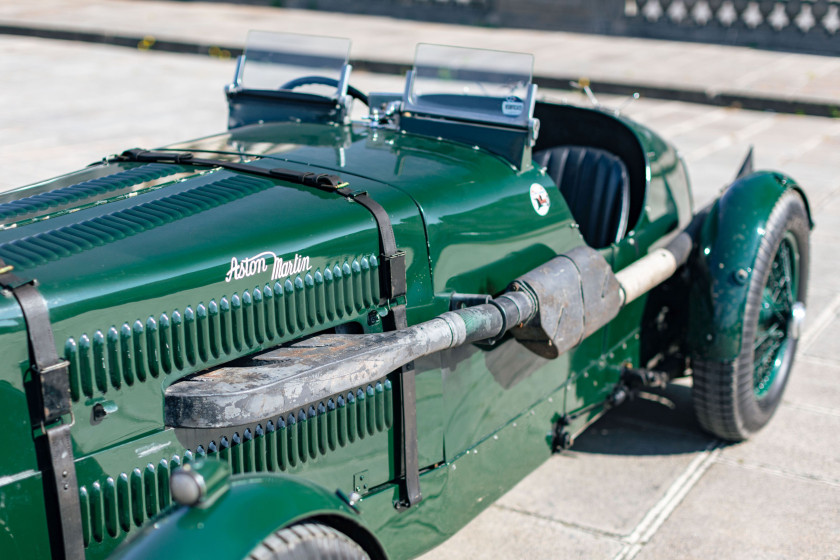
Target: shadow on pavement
655 422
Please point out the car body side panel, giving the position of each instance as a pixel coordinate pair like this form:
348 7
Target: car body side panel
467 484
481 238
23 517
17 428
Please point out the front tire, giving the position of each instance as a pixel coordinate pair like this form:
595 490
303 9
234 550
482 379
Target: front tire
734 399
307 541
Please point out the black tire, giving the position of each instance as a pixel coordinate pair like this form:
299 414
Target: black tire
734 399
308 541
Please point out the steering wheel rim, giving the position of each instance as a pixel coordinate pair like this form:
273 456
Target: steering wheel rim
325 81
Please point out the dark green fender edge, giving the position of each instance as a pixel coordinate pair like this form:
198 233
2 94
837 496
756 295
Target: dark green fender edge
721 268
251 509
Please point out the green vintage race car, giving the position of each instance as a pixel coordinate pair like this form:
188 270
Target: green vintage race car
318 337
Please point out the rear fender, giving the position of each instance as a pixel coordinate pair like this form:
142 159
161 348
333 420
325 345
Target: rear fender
721 267
253 508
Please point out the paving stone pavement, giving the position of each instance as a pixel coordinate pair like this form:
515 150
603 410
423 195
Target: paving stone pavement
690 68
644 482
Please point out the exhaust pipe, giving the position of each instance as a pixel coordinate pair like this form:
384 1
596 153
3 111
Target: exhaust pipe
314 369
550 310
654 268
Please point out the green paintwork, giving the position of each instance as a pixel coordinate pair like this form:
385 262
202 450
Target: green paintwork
721 273
470 482
139 299
222 531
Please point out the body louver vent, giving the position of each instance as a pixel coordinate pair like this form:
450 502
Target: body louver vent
77 193
114 506
52 245
218 331
290 441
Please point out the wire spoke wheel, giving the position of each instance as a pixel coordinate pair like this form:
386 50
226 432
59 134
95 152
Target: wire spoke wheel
776 316
735 398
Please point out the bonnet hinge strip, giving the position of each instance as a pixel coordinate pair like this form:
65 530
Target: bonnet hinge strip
51 382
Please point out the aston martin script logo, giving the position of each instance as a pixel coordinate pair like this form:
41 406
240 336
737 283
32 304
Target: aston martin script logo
256 264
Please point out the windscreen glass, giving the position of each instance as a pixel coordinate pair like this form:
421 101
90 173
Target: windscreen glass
275 61
475 81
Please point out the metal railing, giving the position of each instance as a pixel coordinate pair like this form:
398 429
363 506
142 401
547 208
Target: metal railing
797 25
774 16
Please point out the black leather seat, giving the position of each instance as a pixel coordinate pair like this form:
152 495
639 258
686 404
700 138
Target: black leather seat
596 187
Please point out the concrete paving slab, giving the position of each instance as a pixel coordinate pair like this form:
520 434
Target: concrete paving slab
825 344
100 100
826 210
711 174
793 139
718 122
815 382
488 536
693 67
608 507
818 181
825 266
735 513
820 297
668 409
633 463
800 440
680 118
652 112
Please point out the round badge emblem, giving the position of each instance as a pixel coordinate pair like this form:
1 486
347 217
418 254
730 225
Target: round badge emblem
539 199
